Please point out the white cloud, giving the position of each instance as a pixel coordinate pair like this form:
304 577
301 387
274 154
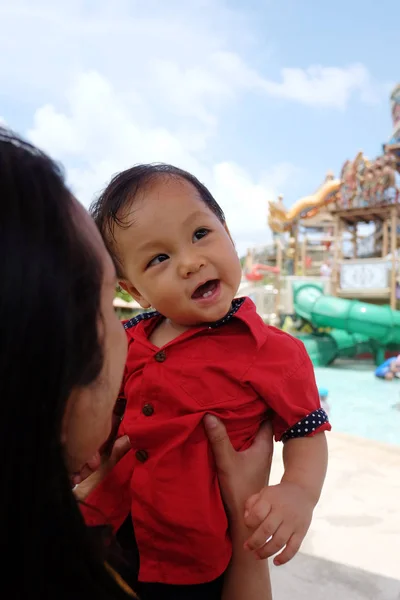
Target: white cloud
245 200
324 86
100 131
118 83
330 87
55 132
188 52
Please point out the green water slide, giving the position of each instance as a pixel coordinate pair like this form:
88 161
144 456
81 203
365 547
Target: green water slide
357 327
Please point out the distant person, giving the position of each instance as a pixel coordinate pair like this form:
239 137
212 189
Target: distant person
326 270
202 351
323 396
390 369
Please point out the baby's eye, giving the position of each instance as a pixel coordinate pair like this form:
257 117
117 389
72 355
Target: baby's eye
200 233
157 260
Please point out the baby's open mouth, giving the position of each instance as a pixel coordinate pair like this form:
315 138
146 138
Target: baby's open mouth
206 289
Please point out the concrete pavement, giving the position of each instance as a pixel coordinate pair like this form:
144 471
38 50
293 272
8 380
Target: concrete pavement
352 551
311 578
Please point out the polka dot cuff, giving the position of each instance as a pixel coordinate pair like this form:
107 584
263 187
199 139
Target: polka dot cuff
306 426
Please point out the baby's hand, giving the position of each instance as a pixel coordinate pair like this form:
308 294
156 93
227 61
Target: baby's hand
280 515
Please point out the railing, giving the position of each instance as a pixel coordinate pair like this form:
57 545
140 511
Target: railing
266 299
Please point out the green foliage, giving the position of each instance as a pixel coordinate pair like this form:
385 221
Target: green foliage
120 293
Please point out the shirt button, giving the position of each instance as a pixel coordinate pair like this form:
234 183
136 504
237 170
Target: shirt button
141 455
148 410
160 356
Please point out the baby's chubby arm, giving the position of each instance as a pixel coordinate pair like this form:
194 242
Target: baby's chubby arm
279 516
282 513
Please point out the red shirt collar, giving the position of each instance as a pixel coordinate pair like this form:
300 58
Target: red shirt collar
243 309
248 314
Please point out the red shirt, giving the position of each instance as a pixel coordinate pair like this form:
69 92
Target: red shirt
235 369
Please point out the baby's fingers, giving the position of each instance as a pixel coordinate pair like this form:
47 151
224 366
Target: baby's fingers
263 533
280 538
250 503
292 547
257 510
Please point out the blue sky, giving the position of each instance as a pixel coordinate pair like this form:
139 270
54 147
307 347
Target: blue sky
256 98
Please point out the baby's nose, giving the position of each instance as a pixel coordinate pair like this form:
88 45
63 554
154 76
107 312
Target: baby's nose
191 267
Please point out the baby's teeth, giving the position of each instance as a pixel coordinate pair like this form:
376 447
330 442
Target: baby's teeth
206 294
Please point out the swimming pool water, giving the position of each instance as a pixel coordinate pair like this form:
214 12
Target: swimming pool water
361 404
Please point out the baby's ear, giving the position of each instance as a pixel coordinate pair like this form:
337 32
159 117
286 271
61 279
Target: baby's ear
132 291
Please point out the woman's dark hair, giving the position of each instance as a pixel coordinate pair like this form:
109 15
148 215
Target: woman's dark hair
109 209
51 281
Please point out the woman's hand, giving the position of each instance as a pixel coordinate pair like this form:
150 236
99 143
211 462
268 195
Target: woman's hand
101 467
240 474
109 446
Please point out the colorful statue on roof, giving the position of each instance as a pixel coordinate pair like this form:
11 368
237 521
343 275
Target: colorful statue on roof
395 102
393 145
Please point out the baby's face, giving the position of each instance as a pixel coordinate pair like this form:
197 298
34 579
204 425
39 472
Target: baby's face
177 256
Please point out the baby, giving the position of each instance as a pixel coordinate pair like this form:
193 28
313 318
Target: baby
200 351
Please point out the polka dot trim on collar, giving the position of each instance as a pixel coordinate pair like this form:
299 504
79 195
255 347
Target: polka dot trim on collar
142 317
236 304
307 426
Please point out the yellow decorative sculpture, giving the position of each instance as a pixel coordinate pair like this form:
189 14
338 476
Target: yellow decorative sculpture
281 220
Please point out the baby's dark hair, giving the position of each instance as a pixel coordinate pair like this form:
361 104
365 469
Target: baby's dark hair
108 209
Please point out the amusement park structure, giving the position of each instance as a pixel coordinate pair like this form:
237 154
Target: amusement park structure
331 224
331 277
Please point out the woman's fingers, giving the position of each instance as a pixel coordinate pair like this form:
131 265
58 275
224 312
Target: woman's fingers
240 473
94 462
103 462
219 440
87 482
121 447
82 475
222 448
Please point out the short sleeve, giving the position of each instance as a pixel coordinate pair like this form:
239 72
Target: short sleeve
283 375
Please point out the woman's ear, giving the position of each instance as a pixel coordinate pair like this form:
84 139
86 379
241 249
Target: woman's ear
132 291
